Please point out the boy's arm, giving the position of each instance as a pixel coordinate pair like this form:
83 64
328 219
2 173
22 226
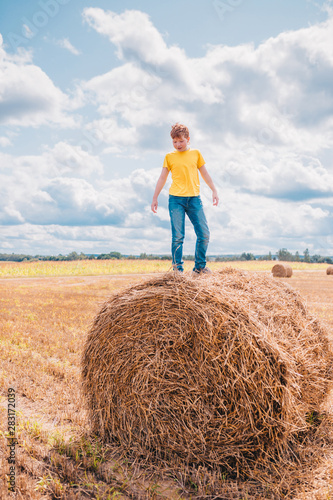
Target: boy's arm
159 186
208 180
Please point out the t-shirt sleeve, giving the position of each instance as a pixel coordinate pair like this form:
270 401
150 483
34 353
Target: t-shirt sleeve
201 161
166 163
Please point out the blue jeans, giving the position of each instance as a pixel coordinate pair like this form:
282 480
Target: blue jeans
192 206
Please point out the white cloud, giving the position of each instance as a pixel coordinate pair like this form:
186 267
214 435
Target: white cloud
279 92
123 31
147 48
65 158
254 222
65 185
27 184
27 31
25 103
5 141
107 130
288 176
66 44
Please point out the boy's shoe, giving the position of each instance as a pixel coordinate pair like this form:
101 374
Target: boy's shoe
203 270
177 270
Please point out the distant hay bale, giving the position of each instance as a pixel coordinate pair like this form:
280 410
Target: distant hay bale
282 271
220 370
329 270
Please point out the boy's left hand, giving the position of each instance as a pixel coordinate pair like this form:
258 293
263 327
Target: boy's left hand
154 205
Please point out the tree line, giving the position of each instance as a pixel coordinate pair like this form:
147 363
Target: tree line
283 255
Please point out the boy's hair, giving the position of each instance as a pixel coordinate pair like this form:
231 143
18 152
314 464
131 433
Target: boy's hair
178 129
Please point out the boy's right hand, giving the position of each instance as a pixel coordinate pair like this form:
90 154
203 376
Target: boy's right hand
154 205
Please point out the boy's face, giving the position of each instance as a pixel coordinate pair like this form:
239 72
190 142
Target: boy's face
180 143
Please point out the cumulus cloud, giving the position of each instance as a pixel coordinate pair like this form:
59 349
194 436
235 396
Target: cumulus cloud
291 177
75 202
65 158
64 185
5 141
25 182
153 78
22 101
279 91
122 30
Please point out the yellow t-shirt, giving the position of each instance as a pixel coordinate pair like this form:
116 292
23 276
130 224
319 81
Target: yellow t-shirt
184 166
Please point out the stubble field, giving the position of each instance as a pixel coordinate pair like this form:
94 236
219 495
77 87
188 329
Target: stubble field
46 310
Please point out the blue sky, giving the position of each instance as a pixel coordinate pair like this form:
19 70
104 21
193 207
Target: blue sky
89 91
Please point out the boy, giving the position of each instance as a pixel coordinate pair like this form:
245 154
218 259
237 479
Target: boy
184 164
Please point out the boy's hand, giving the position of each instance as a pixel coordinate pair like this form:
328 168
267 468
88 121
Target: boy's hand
154 205
160 183
215 198
208 180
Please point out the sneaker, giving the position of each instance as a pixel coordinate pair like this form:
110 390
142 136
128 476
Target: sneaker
203 270
177 270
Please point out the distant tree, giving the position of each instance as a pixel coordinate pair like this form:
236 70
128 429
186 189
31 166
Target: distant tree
115 255
72 256
110 255
306 254
227 258
316 258
247 256
266 257
102 256
320 259
150 256
283 254
15 257
297 257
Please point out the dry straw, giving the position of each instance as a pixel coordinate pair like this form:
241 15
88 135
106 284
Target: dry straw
329 270
220 370
282 271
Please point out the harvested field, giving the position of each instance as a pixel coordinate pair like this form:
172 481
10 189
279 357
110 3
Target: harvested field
42 323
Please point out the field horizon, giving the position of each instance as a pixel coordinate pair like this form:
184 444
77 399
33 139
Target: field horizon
129 266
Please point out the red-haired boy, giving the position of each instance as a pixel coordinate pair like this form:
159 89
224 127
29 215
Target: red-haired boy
184 164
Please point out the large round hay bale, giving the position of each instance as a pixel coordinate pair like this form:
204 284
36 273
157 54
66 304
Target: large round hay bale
282 270
218 370
329 270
